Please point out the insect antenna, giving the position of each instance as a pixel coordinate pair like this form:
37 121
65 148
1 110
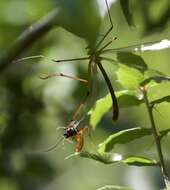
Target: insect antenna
55 145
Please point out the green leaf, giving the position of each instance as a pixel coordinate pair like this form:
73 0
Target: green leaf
129 78
139 161
125 98
130 98
106 158
132 60
102 106
161 100
74 12
112 158
157 79
114 187
123 137
126 11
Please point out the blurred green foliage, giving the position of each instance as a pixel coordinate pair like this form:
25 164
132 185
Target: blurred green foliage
31 109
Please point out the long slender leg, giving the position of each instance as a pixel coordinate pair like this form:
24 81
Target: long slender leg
50 59
55 145
114 99
109 30
63 75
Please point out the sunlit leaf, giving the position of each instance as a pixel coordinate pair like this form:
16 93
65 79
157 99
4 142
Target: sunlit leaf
139 161
132 60
126 98
129 78
114 187
112 158
126 11
106 158
123 137
102 106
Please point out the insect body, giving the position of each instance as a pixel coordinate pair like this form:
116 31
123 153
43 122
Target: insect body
73 129
94 59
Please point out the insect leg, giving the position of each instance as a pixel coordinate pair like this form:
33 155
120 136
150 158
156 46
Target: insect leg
50 59
109 30
114 99
63 75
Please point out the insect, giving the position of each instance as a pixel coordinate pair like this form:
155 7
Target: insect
94 62
75 130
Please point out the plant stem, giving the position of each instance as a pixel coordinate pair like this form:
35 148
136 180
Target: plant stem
27 38
156 137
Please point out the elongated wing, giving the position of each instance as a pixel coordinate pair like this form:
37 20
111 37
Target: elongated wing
79 140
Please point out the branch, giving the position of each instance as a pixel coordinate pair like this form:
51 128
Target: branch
156 137
27 38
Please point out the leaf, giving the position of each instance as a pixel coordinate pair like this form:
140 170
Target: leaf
102 106
114 187
157 79
126 11
123 137
130 99
129 78
159 22
112 158
139 161
74 12
132 60
106 158
125 98
161 100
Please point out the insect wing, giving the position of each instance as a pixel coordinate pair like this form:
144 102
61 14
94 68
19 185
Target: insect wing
79 141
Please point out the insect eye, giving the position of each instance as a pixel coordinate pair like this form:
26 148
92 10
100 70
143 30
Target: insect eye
66 135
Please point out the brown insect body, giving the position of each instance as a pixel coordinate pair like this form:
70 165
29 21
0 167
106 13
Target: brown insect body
79 140
73 130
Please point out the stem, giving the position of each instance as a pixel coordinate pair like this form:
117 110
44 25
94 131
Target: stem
156 136
27 38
